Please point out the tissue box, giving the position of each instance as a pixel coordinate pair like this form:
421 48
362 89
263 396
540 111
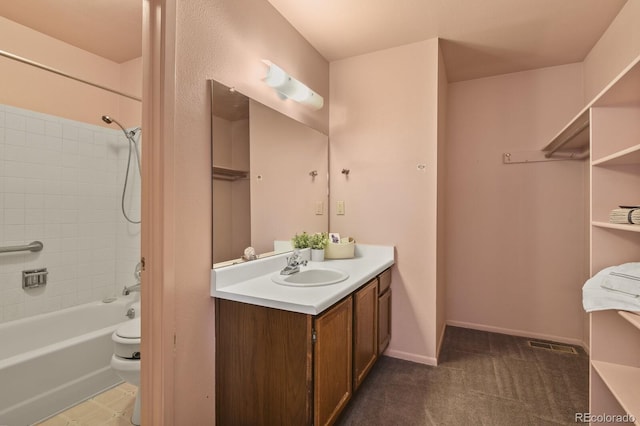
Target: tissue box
340 250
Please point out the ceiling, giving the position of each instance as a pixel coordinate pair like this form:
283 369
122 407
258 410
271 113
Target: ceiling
480 37
109 28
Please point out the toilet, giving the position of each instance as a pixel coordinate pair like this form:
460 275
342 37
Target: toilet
126 358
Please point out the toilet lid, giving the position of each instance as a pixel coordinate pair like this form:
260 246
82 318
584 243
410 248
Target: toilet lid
130 329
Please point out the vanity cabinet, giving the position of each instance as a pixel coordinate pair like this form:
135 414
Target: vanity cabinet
281 367
277 367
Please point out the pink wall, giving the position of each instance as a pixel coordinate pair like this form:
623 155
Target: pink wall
31 88
231 38
231 218
383 125
618 46
238 35
442 191
515 232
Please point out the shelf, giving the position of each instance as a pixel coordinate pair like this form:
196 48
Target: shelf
624 90
634 319
224 173
617 226
571 137
626 156
624 384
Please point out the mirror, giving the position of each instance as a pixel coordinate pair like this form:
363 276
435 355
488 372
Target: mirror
270 177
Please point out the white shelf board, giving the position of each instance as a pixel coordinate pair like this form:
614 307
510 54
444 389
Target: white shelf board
633 318
623 90
618 226
630 155
624 383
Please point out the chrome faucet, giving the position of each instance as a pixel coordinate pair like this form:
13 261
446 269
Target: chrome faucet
136 287
293 263
127 290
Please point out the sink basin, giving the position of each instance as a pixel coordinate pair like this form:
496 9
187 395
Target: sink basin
311 277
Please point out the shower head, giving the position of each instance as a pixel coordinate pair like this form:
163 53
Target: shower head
110 120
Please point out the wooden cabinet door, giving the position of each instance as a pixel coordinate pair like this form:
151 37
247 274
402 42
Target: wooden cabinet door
332 362
365 331
263 365
384 321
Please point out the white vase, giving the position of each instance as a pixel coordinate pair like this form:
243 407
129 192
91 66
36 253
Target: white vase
317 255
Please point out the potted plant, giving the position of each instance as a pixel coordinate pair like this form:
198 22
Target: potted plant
301 241
318 242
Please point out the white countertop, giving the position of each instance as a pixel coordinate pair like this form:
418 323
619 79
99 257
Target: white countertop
250 282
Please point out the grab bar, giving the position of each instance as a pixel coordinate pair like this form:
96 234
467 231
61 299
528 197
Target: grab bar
32 246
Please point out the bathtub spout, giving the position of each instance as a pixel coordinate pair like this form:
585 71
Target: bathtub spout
127 290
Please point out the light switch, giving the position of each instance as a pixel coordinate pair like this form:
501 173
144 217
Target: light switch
319 208
340 207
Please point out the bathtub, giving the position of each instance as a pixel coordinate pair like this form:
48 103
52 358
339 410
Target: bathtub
52 361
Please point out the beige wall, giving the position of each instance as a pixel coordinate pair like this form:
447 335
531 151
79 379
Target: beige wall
618 46
515 232
38 90
231 39
383 125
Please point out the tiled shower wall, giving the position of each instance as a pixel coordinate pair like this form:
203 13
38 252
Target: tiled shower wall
61 183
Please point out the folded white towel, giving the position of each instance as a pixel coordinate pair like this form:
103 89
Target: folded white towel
623 283
620 286
597 298
624 278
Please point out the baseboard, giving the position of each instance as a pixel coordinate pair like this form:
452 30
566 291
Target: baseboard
441 340
421 359
521 333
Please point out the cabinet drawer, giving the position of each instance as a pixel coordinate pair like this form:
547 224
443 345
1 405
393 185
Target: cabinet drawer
385 281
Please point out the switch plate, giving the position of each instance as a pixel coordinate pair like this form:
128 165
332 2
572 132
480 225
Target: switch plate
340 207
319 208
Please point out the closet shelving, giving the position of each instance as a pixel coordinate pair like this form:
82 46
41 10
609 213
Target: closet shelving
225 173
613 140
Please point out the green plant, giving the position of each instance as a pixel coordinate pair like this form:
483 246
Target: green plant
319 241
301 241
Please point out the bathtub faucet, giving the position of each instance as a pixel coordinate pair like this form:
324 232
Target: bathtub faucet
127 290
136 287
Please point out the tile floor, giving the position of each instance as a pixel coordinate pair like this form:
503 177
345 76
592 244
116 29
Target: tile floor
113 408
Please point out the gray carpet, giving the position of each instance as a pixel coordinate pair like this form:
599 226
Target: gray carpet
483 379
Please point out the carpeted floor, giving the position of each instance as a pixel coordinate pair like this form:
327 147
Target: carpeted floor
483 379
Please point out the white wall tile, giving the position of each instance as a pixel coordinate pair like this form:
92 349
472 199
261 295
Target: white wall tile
35 125
15 121
53 129
14 137
60 183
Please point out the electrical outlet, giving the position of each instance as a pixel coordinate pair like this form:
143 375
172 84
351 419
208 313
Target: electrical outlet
340 207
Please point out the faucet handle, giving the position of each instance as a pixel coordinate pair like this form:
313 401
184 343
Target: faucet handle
294 257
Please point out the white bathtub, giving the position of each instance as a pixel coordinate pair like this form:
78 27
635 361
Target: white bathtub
52 361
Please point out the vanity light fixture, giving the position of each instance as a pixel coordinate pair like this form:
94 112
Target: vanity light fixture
290 88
